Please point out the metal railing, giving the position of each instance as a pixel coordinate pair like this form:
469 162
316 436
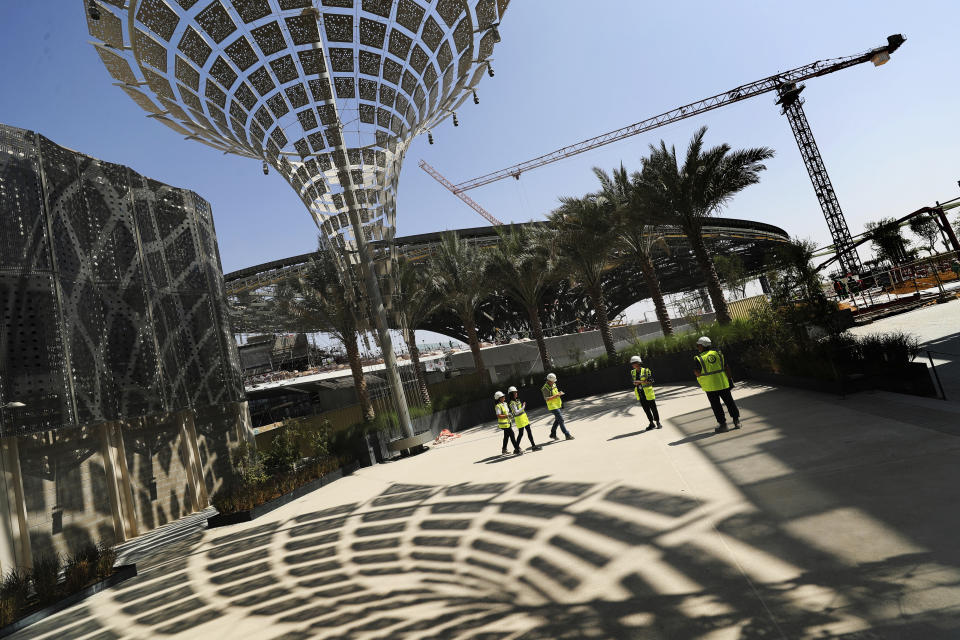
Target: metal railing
942 358
932 277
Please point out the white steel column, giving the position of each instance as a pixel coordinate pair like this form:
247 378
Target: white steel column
366 261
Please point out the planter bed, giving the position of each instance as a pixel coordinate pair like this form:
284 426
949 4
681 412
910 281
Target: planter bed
121 573
797 382
226 519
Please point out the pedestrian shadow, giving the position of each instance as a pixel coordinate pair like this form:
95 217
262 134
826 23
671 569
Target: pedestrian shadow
693 438
627 435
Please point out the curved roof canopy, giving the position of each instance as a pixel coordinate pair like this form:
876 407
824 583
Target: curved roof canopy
251 290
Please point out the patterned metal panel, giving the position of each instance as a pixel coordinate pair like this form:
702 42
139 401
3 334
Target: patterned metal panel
124 313
419 59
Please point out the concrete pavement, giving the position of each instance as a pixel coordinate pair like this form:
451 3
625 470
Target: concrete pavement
822 518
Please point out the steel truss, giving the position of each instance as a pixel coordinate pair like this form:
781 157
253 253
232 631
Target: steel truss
822 187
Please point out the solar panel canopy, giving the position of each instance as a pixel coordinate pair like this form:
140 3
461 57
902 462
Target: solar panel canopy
327 92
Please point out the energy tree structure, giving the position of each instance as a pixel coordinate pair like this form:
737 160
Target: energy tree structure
330 93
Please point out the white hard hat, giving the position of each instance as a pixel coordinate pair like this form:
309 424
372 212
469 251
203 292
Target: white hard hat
704 341
498 395
636 359
552 377
511 389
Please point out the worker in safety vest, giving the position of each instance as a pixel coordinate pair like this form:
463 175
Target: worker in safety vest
552 395
643 390
519 412
503 421
713 374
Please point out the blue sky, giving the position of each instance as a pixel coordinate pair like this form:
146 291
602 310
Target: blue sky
565 71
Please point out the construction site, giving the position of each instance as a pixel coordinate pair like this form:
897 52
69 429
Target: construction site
253 386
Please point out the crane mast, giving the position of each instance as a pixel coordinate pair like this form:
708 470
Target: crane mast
783 83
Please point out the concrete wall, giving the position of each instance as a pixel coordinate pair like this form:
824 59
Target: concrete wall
523 358
219 428
158 471
111 481
64 482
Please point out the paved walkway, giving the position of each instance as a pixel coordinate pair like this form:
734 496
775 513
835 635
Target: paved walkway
822 518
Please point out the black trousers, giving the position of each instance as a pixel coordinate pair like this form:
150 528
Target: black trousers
508 435
529 431
649 408
727 397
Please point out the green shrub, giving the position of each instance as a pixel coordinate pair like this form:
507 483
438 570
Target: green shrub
8 611
88 564
78 574
45 576
88 552
419 412
303 451
237 495
445 402
82 567
283 455
106 558
248 464
317 441
14 593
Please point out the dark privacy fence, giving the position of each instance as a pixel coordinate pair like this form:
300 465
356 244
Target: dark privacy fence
111 292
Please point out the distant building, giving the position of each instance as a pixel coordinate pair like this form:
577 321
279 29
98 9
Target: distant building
271 353
113 333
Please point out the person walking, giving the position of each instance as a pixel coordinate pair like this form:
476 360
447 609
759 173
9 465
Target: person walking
552 395
643 390
840 288
503 421
713 374
519 412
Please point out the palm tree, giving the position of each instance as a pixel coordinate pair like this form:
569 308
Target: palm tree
692 193
523 267
458 272
584 238
888 242
639 234
321 298
416 302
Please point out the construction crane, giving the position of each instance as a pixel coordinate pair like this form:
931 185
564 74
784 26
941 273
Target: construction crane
786 85
460 194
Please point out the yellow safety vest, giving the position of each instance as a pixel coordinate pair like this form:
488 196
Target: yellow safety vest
645 383
712 375
504 422
520 418
551 390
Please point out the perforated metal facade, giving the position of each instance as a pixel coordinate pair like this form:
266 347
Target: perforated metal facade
112 303
328 92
